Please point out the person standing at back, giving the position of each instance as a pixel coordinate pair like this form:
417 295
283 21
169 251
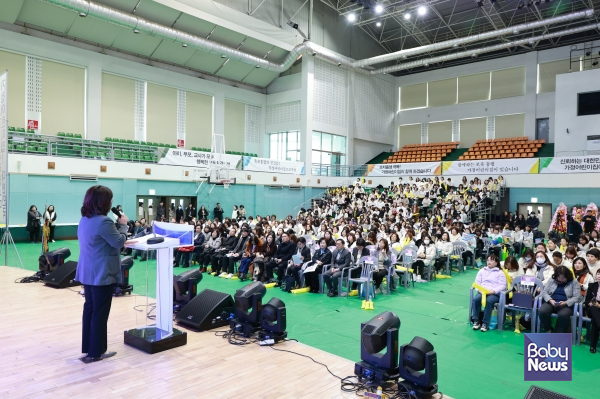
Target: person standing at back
160 212
98 268
50 216
33 224
218 212
190 212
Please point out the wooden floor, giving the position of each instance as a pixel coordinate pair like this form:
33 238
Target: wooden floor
40 344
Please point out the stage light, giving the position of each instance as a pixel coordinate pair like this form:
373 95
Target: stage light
292 24
407 16
378 24
248 305
381 332
185 286
588 53
595 63
352 17
422 10
273 320
378 8
414 358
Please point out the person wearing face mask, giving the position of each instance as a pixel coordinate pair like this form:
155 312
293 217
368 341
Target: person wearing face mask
592 309
545 268
525 260
425 257
560 294
493 280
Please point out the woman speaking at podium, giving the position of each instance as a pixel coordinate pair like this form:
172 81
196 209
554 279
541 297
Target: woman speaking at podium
98 268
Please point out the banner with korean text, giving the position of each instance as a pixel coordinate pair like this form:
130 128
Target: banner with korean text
585 164
405 169
199 159
492 166
272 165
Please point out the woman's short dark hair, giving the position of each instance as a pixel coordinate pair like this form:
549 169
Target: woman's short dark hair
494 258
511 263
529 252
563 271
97 201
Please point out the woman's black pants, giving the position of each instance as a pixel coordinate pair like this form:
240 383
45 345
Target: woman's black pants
96 309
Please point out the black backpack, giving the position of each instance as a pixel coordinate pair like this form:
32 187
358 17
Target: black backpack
288 283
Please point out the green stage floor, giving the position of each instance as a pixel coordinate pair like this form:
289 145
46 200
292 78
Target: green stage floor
471 364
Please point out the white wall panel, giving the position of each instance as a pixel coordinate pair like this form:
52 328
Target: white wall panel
373 102
330 96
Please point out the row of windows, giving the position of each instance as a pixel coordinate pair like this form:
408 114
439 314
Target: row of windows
329 149
480 87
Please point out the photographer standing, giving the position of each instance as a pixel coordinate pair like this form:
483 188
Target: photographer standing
98 268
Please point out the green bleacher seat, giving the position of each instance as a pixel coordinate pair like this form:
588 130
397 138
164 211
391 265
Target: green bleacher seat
77 136
20 147
21 130
30 131
70 135
12 129
108 139
129 141
122 141
143 143
136 142
60 134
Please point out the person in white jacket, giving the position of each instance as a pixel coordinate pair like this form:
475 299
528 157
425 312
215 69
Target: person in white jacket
582 274
516 239
528 237
444 250
425 257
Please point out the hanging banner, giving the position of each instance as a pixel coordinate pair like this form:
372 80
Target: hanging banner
585 164
199 159
401 169
4 150
272 165
492 166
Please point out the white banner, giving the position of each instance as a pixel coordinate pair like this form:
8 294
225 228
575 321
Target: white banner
495 166
199 159
4 149
273 165
586 164
400 169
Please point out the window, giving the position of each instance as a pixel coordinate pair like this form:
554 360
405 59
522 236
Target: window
285 146
328 149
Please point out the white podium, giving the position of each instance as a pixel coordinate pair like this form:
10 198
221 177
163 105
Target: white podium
160 336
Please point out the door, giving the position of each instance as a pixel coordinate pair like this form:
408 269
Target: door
543 211
542 129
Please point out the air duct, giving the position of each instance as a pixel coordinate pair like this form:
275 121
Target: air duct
471 39
134 22
475 52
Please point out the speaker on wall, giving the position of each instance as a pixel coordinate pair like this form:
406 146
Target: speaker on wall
63 276
208 310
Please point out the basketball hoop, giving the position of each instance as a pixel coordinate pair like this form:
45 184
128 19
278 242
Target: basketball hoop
226 184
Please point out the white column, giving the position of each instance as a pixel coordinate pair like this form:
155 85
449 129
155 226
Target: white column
531 65
181 115
141 90
308 71
93 98
219 114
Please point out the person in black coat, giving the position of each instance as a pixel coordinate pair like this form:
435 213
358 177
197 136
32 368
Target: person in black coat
341 259
322 256
284 252
227 245
33 224
218 212
160 212
533 221
574 229
304 252
592 309
589 222
202 213
179 214
190 212
228 262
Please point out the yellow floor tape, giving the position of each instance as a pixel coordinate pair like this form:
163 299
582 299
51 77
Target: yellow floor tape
300 290
270 285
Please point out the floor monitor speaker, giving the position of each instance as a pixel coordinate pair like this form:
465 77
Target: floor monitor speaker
63 276
209 309
541 393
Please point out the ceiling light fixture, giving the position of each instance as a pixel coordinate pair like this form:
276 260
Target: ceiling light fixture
378 24
422 10
223 56
82 14
352 17
407 16
136 31
378 8
184 45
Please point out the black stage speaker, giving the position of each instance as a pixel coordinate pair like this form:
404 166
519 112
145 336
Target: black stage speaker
209 309
541 393
63 276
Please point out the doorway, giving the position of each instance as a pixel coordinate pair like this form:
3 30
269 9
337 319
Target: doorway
147 205
543 211
542 129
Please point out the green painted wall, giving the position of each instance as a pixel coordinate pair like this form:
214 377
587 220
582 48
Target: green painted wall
67 197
